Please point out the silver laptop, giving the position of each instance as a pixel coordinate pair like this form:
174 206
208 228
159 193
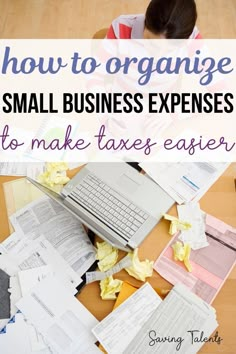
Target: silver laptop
115 201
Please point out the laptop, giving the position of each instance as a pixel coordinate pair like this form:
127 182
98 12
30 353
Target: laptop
114 201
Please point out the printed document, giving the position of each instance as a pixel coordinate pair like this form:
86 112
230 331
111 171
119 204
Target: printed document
210 265
45 217
31 254
62 320
185 181
174 325
118 329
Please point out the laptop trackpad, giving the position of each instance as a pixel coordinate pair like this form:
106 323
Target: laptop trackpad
128 184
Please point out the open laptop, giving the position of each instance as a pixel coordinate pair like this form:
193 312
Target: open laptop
115 201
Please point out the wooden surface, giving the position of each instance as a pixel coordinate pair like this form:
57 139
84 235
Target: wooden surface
81 19
219 201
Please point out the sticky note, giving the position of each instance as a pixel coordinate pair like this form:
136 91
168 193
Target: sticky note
182 253
176 224
106 255
139 269
54 176
109 287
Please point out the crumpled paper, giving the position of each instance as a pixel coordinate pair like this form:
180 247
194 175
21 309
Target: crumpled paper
139 269
182 253
106 255
176 224
54 176
109 287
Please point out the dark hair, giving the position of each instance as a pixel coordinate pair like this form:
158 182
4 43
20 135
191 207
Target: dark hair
175 19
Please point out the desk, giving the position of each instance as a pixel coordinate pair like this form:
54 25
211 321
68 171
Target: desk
220 201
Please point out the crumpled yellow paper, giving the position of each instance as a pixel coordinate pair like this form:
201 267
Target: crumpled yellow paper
54 176
176 224
106 255
109 287
139 269
182 253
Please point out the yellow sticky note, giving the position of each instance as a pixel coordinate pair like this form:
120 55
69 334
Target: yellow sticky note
54 176
109 287
139 269
176 224
182 253
106 255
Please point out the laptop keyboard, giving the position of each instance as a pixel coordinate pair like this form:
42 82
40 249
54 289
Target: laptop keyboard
109 206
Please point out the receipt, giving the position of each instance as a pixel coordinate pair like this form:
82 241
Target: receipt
106 255
139 270
176 224
94 276
182 253
109 287
54 175
196 236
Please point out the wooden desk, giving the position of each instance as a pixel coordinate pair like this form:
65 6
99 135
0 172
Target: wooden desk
219 201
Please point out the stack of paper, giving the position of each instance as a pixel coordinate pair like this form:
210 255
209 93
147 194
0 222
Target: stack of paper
146 324
60 318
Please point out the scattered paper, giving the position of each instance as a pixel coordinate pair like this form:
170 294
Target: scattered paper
195 236
109 287
211 265
182 254
16 337
176 224
94 276
139 269
185 181
62 320
31 277
118 329
107 256
180 312
45 217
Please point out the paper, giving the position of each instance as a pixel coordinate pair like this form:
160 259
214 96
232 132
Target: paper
185 181
21 169
109 287
45 217
107 256
210 265
182 253
195 236
54 176
17 337
13 169
118 329
29 254
62 320
31 277
139 269
169 328
4 295
94 276
176 224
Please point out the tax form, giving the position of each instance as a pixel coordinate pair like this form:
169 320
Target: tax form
185 181
173 326
118 329
45 217
210 265
63 321
31 254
